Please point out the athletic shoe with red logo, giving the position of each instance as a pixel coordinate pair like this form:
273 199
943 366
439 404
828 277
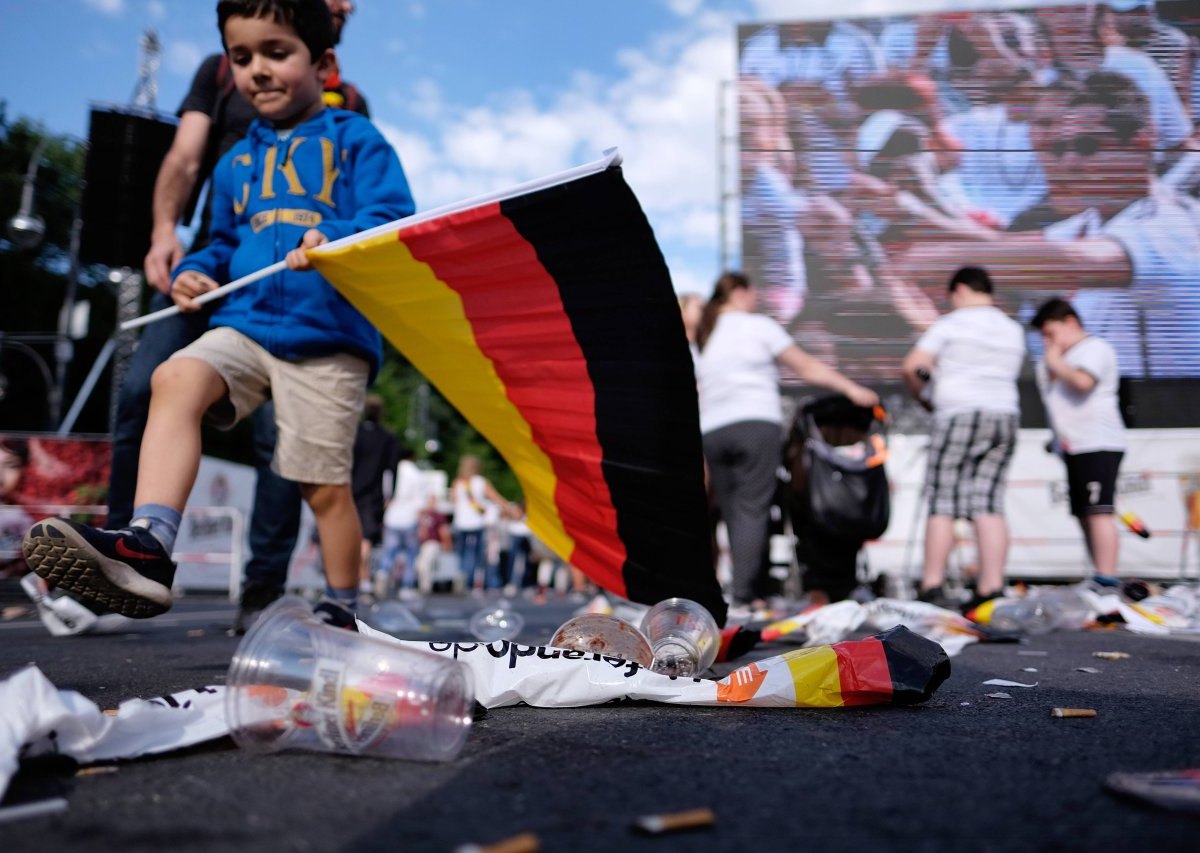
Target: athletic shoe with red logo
122 571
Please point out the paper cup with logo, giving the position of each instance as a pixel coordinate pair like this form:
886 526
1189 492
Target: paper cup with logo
298 683
683 636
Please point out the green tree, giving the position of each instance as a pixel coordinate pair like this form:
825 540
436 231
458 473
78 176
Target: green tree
33 282
426 422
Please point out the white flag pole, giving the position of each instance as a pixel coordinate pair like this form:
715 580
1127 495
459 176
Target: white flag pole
611 157
224 290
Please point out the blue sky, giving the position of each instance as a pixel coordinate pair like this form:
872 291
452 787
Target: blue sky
476 95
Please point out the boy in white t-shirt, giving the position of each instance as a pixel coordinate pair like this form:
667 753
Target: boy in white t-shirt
973 356
1078 379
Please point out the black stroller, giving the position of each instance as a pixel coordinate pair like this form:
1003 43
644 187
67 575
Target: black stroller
838 497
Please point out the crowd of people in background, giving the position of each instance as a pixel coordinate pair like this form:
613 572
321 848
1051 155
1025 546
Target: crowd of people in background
1055 146
458 537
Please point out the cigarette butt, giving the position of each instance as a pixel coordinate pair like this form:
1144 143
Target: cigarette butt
1072 712
99 770
196 632
38 809
526 842
1111 655
657 823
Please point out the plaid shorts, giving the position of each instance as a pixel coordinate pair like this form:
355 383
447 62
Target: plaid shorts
968 460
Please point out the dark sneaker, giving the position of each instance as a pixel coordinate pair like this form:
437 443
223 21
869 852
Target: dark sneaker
938 597
976 600
335 614
255 598
119 571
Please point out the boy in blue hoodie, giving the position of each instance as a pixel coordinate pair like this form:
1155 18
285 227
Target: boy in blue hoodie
304 175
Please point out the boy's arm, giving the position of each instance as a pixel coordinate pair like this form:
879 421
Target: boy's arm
1028 260
381 190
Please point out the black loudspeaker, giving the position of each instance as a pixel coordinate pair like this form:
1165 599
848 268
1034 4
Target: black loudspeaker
126 145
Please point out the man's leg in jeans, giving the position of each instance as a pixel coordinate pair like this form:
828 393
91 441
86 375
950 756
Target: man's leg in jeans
159 341
274 524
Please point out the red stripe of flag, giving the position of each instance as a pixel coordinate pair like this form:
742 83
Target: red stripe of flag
552 390
863 672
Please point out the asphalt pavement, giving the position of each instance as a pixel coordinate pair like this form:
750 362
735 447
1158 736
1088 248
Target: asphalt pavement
960 772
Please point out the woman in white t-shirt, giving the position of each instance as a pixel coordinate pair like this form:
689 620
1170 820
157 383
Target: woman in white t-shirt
741 417
475 503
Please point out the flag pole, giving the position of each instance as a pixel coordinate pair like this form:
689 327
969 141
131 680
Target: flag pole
224 290
610 158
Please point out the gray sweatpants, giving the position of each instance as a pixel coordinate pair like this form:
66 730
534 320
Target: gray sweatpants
742 462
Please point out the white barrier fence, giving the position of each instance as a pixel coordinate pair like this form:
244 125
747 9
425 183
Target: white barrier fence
1160 474
211 550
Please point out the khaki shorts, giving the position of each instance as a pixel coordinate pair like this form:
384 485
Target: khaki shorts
318 402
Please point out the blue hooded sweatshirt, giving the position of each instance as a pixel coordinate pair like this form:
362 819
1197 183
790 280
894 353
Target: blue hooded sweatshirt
336 173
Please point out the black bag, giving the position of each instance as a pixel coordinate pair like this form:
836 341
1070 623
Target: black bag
849 497
835 453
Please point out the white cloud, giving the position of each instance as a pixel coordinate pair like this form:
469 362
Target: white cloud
156 10
106 7
684 8
661 113
183 57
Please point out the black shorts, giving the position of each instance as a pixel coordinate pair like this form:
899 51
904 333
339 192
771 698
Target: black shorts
1092 481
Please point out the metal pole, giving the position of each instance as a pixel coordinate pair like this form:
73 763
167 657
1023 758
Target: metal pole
31 176
723 237
64 349
89 384
129 298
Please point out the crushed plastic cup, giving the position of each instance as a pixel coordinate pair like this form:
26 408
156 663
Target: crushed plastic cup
392 617
492 624
684 637
604 635
297 683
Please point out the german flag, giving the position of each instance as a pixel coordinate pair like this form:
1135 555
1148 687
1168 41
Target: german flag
897 667
549 321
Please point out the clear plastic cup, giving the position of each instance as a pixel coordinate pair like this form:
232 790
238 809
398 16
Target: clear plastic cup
605 635
683 635
297 683
496 623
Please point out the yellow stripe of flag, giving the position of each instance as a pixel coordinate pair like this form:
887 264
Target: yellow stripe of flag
424 318
815 677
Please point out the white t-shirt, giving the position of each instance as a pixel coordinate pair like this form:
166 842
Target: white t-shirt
999 171
470 504
978 353
1085 421
737 375
408 497
1161 236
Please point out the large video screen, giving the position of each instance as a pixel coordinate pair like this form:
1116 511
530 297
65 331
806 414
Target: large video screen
1055 146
